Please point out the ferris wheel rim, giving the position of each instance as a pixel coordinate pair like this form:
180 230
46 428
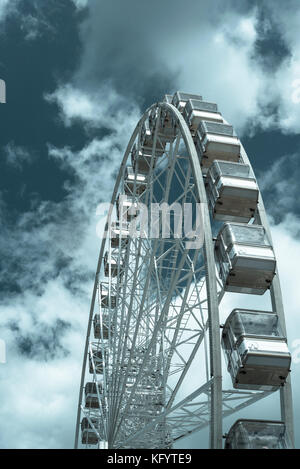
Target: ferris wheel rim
216 422
216 436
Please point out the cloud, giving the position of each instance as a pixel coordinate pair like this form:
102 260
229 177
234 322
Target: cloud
43 331
196 50
6 7
72 222
35 24
38 402
276 51
102 108
48 260
246 59
16 155
132 53
213 60
30 25
80 3
271 49
280 183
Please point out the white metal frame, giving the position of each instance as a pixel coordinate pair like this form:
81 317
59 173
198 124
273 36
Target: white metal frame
173 324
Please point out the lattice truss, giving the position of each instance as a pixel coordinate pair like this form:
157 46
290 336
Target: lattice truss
152 369
153 328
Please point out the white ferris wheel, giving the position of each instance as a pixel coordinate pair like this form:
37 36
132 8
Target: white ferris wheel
186 225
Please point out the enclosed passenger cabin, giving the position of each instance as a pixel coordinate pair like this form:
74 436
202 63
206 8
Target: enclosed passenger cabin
142 161
245 258
180 99
92 396
96 357
119 234
256 434
256 351
196 111
88 434
147 141
166 125
167 98
105 326
134 183
232 191
112 265
216 141
108 296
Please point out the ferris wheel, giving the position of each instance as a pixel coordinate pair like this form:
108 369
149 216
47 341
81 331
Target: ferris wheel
185 226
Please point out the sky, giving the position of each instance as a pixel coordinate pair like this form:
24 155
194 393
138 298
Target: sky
79 74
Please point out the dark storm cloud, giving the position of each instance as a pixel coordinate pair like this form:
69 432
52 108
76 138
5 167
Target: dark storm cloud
118 49
244 6
271 48
29 257
44 342
269 111
123 40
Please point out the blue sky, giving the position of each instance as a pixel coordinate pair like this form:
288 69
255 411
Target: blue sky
79 75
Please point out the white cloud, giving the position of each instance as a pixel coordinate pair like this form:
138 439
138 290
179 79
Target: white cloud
206 56
53 248
80 3
216 60
4 8
281 86
39 387
50 257
208 49
213 60
7 7
197 50
102 108
74 104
